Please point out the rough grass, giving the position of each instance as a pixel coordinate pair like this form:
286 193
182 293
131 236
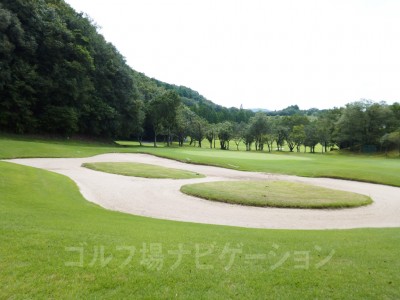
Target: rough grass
275 194
25 147
45 223
141 170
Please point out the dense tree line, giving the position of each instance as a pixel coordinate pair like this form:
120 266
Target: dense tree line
360 126
208 110
59 76
294 110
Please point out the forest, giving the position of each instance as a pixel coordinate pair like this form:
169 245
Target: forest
59 76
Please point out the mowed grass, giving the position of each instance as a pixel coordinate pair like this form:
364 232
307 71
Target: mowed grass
141 170
26 147
275 194
55 244
377 169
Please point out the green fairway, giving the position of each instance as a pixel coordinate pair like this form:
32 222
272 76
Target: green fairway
275 194
141 170
46 227
375 169
354 167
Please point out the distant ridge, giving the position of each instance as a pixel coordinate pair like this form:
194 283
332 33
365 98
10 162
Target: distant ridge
259 110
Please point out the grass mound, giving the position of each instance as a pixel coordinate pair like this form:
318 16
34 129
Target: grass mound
275 194
141 170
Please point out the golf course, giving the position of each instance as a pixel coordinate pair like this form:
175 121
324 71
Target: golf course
199 149
56 243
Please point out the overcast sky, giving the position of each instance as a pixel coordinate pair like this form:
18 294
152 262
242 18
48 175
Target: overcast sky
260 53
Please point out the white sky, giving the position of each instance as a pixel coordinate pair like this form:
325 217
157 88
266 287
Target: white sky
260 53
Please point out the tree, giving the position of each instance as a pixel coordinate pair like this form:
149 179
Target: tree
395 108
18 77
259 126
211 134
248 136
364 123
138 121
298 136
198 129
54 61
155 111
61 120
380 120
184 120
269 139
238 133
171 102
281 133
311 136
162 112
391 139
350 128
225 133
287 125
326 127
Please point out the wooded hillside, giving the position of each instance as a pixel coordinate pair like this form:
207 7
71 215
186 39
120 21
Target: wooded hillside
58 75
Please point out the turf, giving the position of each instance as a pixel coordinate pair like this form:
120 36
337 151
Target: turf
45 224
141 170
24 147
275 194
375 169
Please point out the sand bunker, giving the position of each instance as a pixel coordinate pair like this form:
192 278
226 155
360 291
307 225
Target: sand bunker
161 198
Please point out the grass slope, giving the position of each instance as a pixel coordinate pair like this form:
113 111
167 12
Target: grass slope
355 167
275 194
20 147
141 170
42 215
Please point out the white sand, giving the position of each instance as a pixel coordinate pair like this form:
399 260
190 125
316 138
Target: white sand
161 198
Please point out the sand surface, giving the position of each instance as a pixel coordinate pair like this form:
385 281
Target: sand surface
161 198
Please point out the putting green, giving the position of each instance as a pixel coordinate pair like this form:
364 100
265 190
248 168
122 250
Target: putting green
141 170
275 194
243 155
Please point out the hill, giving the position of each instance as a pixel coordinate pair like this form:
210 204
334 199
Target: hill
203 107
58 75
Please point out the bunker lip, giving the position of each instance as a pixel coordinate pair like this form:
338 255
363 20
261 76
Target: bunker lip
161 198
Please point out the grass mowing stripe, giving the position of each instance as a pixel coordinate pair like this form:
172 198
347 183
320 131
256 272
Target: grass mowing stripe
275 194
